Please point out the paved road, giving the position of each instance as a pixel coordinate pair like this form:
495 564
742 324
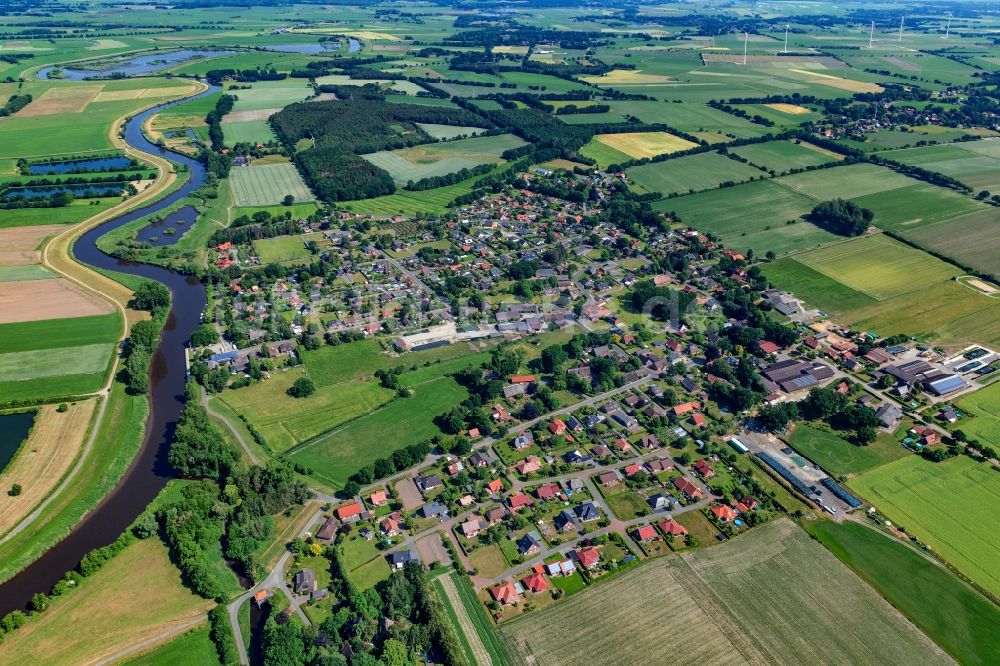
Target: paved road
408 273
275 581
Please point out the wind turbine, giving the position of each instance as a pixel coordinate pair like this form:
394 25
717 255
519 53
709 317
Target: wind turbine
947 28
871 36
785 50
746 38
900 28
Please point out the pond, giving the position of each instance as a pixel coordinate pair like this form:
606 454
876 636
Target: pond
353 45
88 191
88 165
143 64
179 220
14 429
308 49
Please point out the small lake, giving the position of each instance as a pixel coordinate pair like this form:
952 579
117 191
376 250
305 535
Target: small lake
143 64
308 49
90 191
180 220
14 430
353 45
89 165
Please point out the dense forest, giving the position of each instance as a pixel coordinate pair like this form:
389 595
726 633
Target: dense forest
344 129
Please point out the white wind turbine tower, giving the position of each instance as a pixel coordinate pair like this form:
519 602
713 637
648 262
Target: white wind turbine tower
947 28
785 50
746 38
871 36
900 29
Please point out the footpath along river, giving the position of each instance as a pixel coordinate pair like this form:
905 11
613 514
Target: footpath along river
150 470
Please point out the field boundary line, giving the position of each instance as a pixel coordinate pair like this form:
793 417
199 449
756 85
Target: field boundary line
142 646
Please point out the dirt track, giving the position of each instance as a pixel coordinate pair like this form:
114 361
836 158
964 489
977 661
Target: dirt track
54 443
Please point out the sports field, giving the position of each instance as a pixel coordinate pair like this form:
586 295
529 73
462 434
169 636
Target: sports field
692 173
725 212
753 600
960 620
336 455
838 456
983 407
953 506
267 184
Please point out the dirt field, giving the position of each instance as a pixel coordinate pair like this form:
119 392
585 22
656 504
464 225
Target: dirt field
840 83
431 550
982 286
138 595
408 494
54 443
253 114
19 245
628 77
62 100
788 108
33 300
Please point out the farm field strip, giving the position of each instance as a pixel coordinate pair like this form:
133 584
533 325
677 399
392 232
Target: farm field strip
756 599
25 365
467 632
695 172
953 506
983 407
267 184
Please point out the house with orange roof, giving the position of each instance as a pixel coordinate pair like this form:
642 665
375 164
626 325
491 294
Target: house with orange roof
724 513
645 534
350 513
505 594
673 528
378 498
535 582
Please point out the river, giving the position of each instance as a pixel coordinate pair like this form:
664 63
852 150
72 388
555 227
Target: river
150 471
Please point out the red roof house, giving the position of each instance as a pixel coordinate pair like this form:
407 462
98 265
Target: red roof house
535 582
505 594
588 557
673 528
704 469
646 533
724 512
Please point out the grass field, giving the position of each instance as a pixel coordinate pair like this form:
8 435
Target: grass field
846 182
195 648
439 159
356 360
267 185
449 131
960 619
968 239
249 131
838 456
88 359
426 202
285 421
984 408
753 600
975 163
271 94
783 155
25 272
910 209
953 506
643 144
336 455
878 266
693 173
108 613
724 213
688 117
282 248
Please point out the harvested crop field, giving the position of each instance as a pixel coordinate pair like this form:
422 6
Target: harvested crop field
31 300
627 77
954 506
754 600
645 144
247 116
788 108
266 185
72 99
20 245
44 458
141 93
